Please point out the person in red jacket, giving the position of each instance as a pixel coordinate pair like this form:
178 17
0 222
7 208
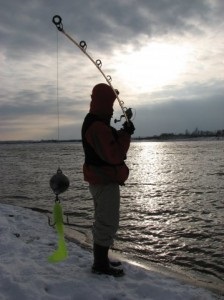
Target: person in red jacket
105 150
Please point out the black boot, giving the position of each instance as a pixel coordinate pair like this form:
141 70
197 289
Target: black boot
101 262
115 263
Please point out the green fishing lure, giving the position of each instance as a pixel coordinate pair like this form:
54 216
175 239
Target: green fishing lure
59 183
61 252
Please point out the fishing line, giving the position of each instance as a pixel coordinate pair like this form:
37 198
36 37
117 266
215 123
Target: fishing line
59 183
57 91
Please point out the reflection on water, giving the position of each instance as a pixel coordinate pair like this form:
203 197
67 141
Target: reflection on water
172 205
175 215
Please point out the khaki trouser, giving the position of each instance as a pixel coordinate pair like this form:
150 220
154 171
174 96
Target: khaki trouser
107 204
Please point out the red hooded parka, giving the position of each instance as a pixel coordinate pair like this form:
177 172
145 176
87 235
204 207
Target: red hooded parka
105 148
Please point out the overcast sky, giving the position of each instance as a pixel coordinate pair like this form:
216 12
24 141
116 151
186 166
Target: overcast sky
166 57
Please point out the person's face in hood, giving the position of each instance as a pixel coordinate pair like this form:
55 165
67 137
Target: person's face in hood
103 98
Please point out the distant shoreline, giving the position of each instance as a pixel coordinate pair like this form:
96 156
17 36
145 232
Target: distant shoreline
172 138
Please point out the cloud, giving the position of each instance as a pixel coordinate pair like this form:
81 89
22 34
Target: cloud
28 58
101 23
192 106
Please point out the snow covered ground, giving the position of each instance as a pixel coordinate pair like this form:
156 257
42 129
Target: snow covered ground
26 241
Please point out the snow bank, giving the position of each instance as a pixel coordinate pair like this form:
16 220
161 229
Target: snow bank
26 241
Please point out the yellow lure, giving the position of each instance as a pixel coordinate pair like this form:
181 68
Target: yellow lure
61 252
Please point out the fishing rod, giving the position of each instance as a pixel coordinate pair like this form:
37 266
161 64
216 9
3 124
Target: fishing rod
127 113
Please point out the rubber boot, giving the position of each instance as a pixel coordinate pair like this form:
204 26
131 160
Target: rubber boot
115 263
101 263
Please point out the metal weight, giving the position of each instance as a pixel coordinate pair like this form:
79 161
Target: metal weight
59 183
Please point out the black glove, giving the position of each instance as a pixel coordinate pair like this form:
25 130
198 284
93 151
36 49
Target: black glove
129 127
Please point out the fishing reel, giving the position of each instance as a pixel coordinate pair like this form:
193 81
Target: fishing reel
128 114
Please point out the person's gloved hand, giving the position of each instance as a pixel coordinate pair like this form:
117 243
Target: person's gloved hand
129 127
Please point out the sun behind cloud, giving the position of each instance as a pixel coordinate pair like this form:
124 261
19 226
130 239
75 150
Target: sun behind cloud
153 66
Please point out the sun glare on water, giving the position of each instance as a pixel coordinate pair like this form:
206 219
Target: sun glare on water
152 66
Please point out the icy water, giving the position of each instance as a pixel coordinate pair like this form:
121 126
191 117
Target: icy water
172 206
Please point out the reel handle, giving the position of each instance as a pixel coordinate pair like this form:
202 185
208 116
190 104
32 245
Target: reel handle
129 114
